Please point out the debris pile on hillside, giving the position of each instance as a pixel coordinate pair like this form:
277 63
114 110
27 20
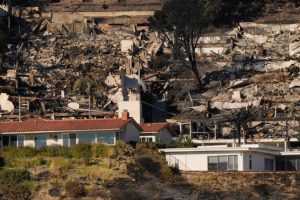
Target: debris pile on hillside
45 67
260 81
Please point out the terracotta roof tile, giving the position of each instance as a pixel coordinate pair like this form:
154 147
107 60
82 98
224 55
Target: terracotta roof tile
153 127
42 125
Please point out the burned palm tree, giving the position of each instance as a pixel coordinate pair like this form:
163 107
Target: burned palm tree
89 84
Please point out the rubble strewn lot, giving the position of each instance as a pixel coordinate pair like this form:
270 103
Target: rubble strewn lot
250 75
46 66
259 82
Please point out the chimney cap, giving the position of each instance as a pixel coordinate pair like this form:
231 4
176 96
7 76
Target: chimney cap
125 115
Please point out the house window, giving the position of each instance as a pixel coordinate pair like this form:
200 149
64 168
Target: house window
213 163
269 164
150 139
69 140
232 163
222 163
65 140
21 140
106 138
86 138
5 141
13 141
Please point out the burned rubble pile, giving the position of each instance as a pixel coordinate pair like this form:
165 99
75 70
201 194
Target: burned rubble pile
258 83
45 68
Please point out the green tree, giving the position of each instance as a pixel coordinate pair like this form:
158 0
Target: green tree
89 84
182 23
185 21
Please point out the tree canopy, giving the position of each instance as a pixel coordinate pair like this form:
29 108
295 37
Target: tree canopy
182 23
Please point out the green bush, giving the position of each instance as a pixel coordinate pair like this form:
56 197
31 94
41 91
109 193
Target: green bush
14 184
28 162
122 149
20 152
13 176
15 191
83 151
2 162
100 150
74 189
55 150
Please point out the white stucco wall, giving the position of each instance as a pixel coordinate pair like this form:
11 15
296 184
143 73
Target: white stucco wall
133 107
197 161
29 139
130 133
258 161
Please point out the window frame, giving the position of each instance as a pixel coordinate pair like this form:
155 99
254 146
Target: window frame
219 164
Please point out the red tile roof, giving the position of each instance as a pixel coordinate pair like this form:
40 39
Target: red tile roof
42 125
153 127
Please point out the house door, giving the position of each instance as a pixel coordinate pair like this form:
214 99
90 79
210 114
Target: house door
40 141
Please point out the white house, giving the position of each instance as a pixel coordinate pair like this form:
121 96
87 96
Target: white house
40 132
253 157
156 132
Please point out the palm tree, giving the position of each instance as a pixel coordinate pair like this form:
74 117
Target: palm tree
89 84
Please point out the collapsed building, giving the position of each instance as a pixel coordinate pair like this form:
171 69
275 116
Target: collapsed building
250 72
253 91
40 71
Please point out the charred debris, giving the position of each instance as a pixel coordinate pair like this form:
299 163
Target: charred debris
251 74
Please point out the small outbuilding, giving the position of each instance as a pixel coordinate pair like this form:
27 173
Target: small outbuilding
156 132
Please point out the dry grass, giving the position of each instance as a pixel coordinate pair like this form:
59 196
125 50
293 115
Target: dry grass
59 164
28 163
96 171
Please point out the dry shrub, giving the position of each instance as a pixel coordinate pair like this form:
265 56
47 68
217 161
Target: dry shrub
96 171
125 194
14 184
28 162
74 189
106 163
122 149
101 150
57 165
263 190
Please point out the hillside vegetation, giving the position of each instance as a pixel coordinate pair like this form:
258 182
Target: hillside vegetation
123 172
83 171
